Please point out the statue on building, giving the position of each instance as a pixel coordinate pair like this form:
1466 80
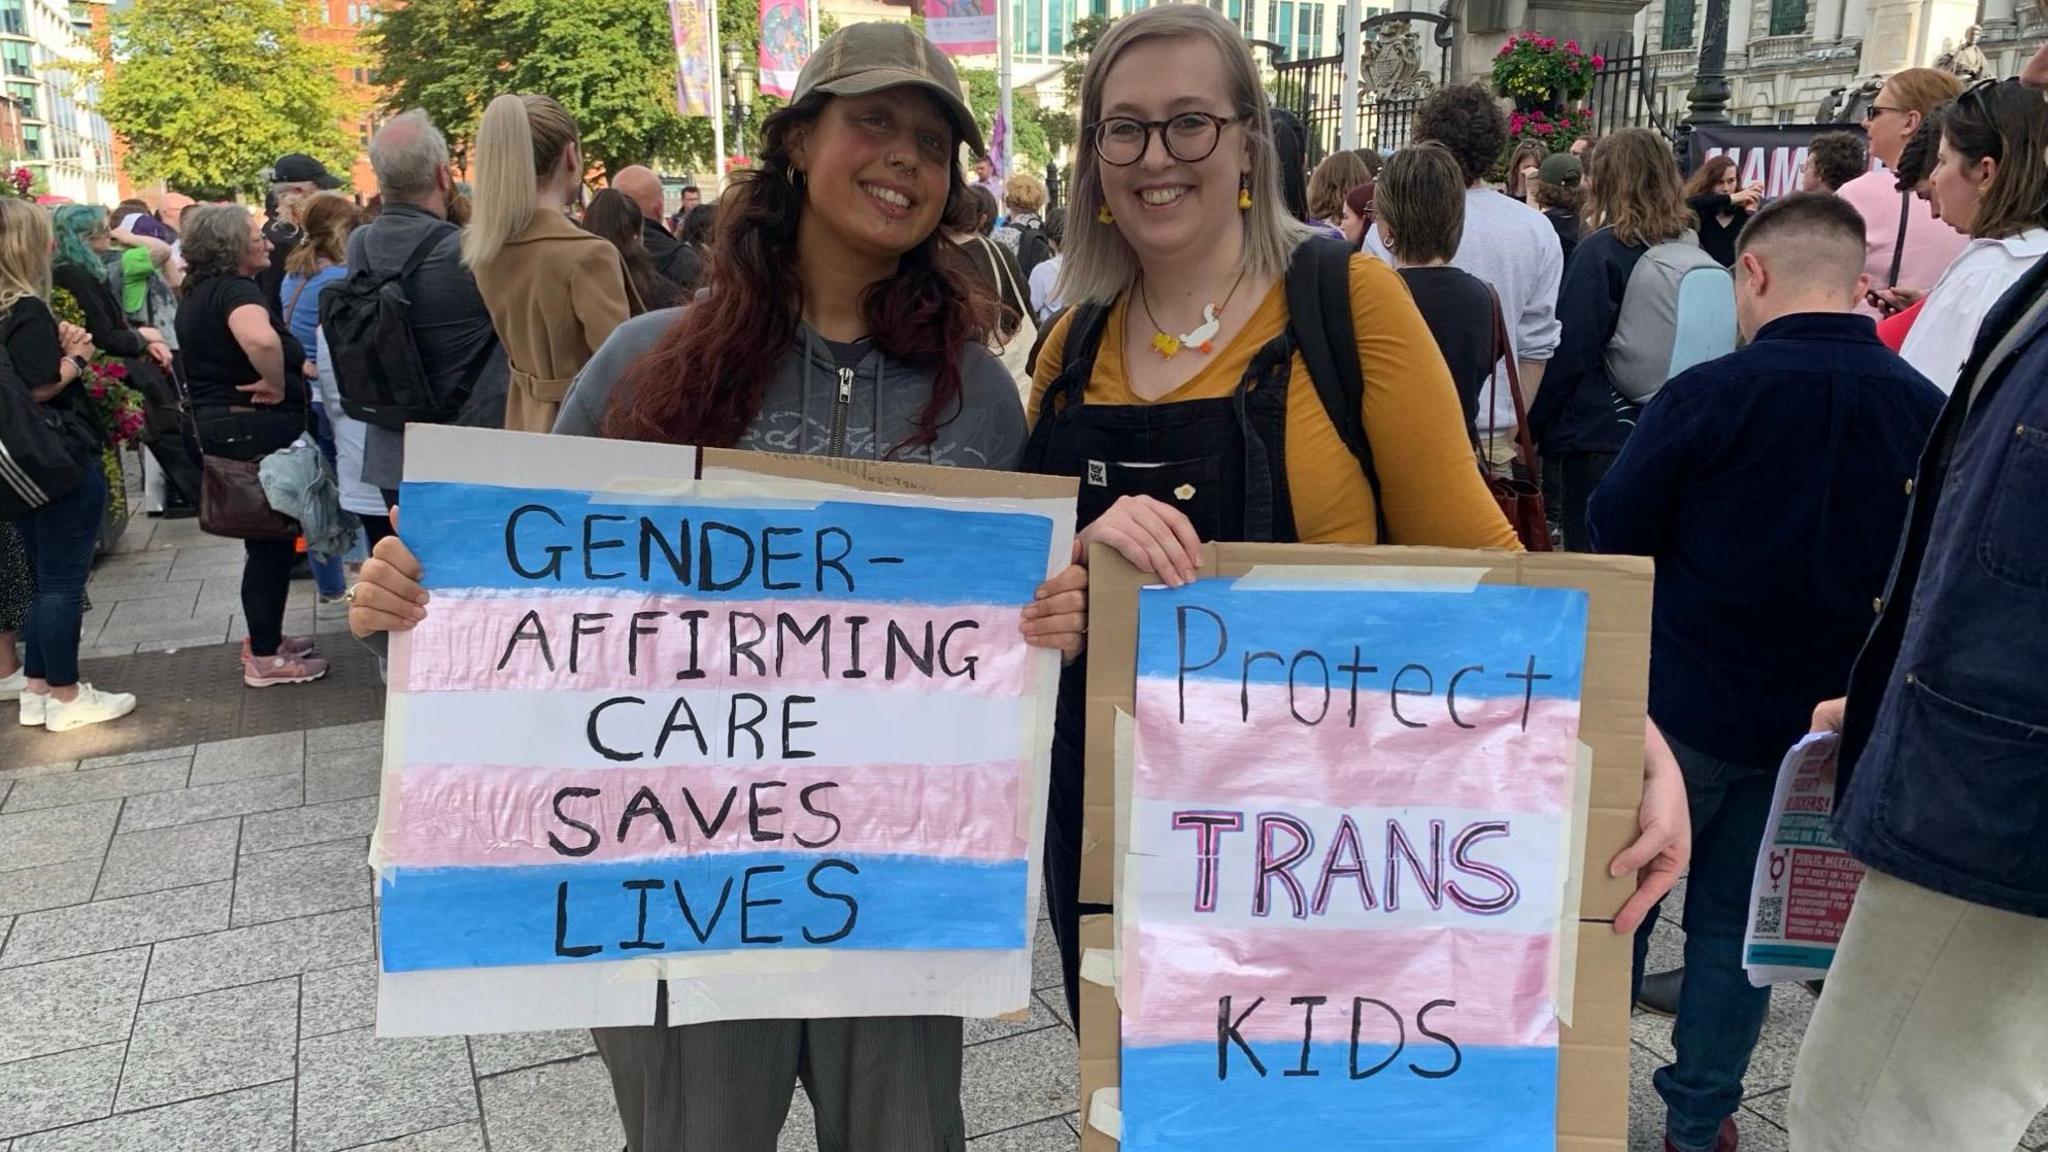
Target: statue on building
1968 62
1391 62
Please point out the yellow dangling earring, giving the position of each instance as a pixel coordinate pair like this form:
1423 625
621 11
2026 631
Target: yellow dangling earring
1244 194
1102 215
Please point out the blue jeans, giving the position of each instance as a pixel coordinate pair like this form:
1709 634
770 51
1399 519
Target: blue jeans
1719 1014
60 539
328 576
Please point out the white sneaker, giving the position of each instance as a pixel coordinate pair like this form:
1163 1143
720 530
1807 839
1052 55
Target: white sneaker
11 687
331 607
34 709
90 706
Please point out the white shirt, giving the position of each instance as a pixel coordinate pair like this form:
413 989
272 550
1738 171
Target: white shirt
1941 337
356 496
1042 278
1513 248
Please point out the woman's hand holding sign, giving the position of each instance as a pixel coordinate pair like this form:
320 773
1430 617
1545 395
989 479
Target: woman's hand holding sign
388 597
1663 844
1156 538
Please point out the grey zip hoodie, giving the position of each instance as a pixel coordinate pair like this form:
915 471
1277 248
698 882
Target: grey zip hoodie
811 408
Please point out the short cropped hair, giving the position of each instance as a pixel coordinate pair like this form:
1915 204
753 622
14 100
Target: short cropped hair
1024 193
405 154
214 240
1821 232
1838 157
1421 197
1466 119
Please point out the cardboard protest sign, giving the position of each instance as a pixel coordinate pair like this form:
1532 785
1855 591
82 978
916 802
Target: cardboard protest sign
763 727
1346 824
1805 881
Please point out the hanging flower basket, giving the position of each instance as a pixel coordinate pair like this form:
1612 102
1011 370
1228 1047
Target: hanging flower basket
1539 74
1554 128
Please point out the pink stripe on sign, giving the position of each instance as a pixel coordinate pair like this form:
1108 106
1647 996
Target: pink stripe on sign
461 814
486 643
1499 982
1216 758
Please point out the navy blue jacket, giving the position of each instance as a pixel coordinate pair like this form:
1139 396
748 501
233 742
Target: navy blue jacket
1945 746
1577 408
1769 485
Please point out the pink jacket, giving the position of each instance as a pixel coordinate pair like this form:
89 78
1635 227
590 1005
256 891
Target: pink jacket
1930 244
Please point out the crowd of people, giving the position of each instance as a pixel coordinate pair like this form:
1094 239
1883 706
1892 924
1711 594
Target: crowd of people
1232 345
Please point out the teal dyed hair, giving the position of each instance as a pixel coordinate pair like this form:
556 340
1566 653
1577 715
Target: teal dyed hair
74 224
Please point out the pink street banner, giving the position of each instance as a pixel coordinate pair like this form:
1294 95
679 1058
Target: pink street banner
785 44
696 72
961 27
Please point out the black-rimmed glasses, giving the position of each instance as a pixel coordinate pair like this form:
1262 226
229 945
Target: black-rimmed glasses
1190 137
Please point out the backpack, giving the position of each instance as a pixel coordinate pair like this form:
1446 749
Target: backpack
1034 247
1678 310
377 366
44 449
1318 286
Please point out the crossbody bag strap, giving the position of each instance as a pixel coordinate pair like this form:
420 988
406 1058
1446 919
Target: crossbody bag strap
1525 448
1899 241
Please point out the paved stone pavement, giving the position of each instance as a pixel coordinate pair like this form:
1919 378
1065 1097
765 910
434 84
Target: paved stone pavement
187 959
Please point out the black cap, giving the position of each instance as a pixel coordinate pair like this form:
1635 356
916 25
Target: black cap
299 168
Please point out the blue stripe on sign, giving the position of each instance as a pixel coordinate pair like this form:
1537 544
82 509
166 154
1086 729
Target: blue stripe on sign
466 536
1498 627
490 917
1498 1100
1789 956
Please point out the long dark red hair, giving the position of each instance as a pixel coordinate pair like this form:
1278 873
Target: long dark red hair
704 382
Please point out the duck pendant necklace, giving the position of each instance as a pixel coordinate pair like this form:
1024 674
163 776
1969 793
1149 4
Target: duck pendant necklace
1201 338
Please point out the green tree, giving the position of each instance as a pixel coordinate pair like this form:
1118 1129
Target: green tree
1028 150
609 63
207 94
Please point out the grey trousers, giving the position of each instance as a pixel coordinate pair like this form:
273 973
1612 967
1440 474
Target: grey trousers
886 1084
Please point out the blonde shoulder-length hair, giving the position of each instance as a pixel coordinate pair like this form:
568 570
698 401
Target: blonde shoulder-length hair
522 135
1097 264
24 252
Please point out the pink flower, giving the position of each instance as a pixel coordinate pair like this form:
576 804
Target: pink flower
118 371
1571 46
1599 61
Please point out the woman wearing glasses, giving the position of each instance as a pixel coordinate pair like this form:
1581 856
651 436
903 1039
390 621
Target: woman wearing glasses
1174 387
1904 247
1988 184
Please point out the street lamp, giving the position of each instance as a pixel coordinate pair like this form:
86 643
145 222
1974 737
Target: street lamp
1708 99
739 89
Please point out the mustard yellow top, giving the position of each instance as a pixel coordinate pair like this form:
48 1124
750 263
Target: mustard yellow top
1428 475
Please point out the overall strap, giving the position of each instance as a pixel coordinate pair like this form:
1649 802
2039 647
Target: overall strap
1077 356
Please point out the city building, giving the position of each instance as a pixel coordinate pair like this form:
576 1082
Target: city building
1793 61
51 79
341 24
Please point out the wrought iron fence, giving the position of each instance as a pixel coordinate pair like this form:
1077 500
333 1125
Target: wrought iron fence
1624 95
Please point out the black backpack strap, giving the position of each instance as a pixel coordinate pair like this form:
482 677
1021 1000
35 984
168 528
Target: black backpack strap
419 255
1077 355
1319 315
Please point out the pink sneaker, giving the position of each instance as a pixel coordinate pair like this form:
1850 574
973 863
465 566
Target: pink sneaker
290 646
269 671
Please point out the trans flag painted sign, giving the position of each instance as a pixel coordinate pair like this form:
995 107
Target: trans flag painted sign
1350 815
724 725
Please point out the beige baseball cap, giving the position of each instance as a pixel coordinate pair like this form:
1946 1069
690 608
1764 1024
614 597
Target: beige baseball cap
863 58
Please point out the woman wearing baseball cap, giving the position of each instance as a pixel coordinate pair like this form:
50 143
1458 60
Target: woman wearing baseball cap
827 267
